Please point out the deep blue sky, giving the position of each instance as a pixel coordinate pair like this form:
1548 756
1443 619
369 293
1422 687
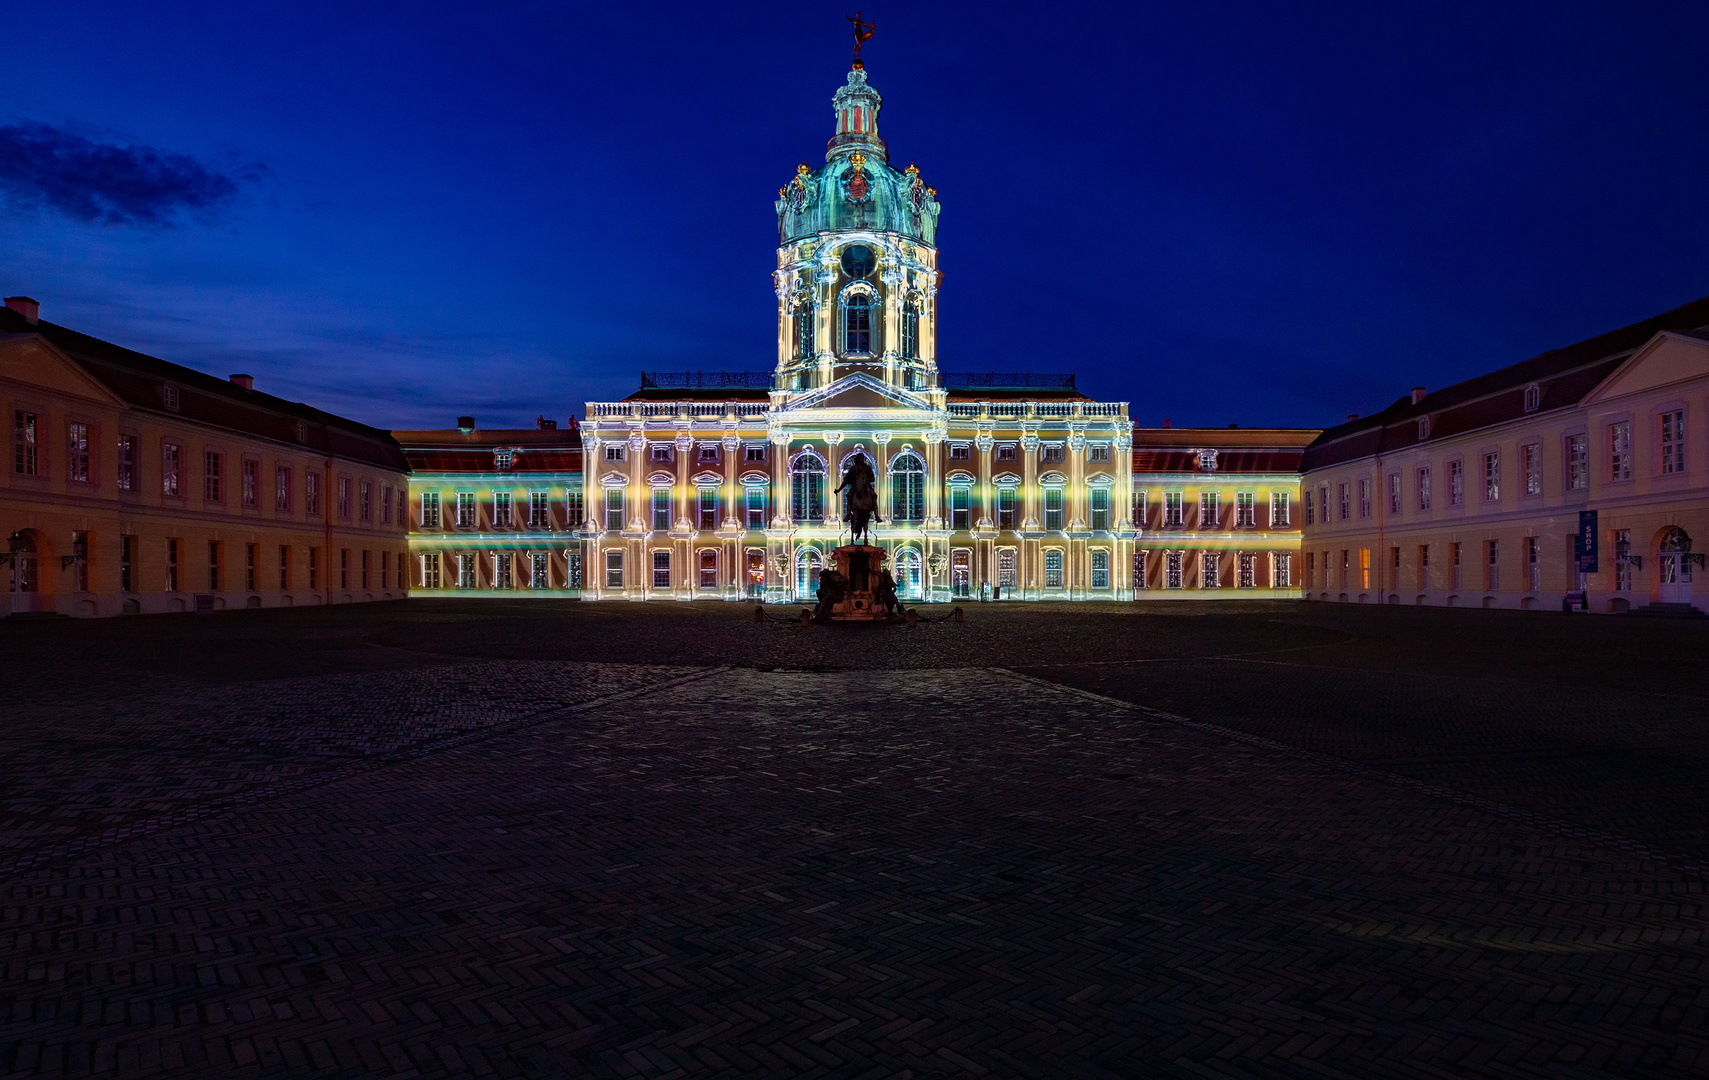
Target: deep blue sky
1249 213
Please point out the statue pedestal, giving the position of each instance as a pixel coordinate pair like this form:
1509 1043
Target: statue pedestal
862 568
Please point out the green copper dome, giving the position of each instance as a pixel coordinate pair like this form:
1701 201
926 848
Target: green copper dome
856 188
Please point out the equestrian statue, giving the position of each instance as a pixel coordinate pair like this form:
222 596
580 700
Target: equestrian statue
861 503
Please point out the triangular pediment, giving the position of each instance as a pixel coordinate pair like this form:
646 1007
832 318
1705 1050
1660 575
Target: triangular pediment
34 361
1665 360
859 392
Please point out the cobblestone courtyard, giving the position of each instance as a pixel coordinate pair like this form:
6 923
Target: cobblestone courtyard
441 838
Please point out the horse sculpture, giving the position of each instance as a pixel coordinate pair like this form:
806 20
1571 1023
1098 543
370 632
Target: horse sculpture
860 505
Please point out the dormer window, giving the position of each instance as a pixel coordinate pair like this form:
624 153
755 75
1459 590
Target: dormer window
1207 461
169 396
1533 397
302 431
1423 428
501 459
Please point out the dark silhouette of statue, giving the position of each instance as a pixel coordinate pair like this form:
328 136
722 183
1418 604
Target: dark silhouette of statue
860 505
862 35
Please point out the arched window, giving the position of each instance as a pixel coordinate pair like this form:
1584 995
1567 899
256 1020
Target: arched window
803 329
911 329
908 581
907 489
857 324
807 488
807 567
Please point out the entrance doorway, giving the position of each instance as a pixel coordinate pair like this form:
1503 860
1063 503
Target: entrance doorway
756 573
1673 568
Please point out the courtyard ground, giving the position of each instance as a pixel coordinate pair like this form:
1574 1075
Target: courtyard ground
532 839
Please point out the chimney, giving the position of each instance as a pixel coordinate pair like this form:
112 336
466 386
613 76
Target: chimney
26 307
245 381
1166 422
465 424
1417 394
1352 416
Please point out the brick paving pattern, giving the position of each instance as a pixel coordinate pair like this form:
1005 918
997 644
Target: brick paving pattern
920 872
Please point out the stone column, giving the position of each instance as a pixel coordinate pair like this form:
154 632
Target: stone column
934 479
987 518
684 496
733 510
881 472
833 516
1029 509
780 480
1078 500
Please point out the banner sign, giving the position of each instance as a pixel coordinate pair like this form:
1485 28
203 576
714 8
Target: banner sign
1584 542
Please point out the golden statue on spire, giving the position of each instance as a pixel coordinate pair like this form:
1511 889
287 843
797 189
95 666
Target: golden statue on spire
862 34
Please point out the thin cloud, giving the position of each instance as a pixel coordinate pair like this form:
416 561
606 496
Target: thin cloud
42 166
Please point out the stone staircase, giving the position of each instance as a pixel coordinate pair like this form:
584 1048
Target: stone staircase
1669 611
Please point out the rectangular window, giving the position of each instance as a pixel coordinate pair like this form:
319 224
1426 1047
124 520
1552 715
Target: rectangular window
1424 566
251 481
430 509
171 564
752 452
1279 516
1673 442
430 570
251 556
1209 576
80 561
960 452
1172 569
573 512
344 498
708 453
1245 510
344 568
169 458
1346 567
1008 507
1100 503
1622 567
1455 580
1006 569
1210 511
213 566
1053 569
661 569
284 566
386 569
1531 463
1344 501
614 509
1246 572
1053 516
465 509
538 570
211 476
708 569
1533 565
1098 453
1052 453
1282 570
1620 450
26 453
1578 462
502 515
1006 452
1492 478
614 452
753 498
282 488
502 562
539 510
1364 497
127 463
706 503
127 563
1311 570
1456 483
661 508
1172 514
662 452
960 507
1323 504
77 455
1424 487
1305 496
466 570
385 506
311 494
1494 578
1394 493
1100 569
1140 506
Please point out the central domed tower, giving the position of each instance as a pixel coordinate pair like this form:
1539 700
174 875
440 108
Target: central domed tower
857 265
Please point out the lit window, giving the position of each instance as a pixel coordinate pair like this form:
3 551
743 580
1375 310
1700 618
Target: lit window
1006 568
1281 574
1673 442
501 569
614 567
753 497
807 489
1053 569
77 457
1246 570
661 509
1008 507
1053 508
1531 463
911 329
465 569
1424 487
803 328
1209 577
537 570
706 502
708 569
429 509
1099 500
501 460
1210 511
573 509
1492 478
502 517
1279 515
857 324
1578 462
1456 483
465 509
1245 510
614 509
907 489
960 507
539 510
1172 517
1620 451
1172 577
1100 569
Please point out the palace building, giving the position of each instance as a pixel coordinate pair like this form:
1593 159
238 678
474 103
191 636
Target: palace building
139 485
1576 478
